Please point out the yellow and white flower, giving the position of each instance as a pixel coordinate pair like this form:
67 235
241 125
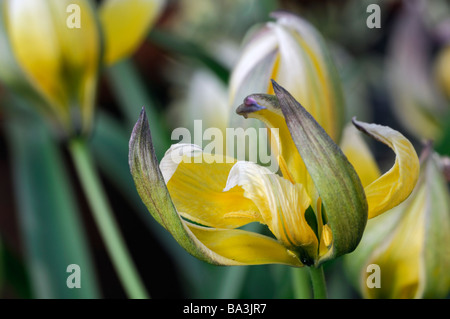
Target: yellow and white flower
317 210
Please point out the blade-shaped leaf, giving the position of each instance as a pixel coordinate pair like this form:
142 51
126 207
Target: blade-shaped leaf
48 214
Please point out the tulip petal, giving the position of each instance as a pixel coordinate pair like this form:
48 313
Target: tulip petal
196 180
337 183
359 155
244 247
281 204
265 107
125 24
394 186
307 71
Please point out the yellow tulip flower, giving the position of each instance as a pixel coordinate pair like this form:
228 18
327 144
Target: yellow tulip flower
408 243
317 210
52 51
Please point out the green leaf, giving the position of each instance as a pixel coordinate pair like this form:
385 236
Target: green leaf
15 274
334 177
48 214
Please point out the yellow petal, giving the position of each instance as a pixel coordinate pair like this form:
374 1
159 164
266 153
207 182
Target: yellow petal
359 155
125 24
290 162
281 204
394 186
244 247
196 180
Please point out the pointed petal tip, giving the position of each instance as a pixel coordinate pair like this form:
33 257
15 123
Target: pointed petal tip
276 86
360 126
143 113
141 129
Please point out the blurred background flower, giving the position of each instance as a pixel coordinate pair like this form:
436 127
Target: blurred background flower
179 68
406 242
416 70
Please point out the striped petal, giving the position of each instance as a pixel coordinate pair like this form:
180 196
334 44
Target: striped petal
266 108
281 204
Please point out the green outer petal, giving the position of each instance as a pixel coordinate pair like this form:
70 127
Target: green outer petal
153 191
334 177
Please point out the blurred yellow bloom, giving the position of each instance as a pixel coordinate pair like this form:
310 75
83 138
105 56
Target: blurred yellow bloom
125 24
409 243
292 52
52 52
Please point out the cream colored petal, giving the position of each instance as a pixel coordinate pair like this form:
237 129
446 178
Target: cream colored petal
394 186
125 24
255 52
307 71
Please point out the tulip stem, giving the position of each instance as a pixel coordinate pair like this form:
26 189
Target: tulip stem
318 282
104 218
301 285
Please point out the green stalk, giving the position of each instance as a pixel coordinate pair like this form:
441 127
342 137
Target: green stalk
105 221
300 281
318 282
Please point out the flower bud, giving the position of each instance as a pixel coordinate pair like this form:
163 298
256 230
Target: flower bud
292 52
51 51
52 60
